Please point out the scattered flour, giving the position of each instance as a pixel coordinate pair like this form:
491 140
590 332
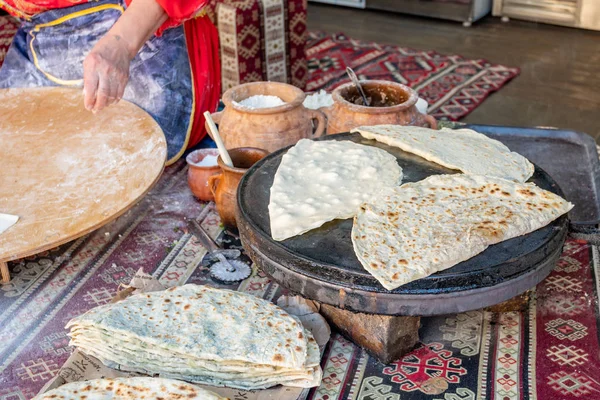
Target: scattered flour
260 101
318 100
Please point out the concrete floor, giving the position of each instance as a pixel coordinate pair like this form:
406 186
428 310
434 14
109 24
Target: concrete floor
559 83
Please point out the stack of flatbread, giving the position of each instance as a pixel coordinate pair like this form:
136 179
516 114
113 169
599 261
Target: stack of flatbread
317 182
141 388
462 149
412 231
202 335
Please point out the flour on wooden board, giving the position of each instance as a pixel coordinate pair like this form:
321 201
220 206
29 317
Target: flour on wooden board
67 168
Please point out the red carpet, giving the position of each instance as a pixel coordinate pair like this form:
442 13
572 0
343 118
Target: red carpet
453 86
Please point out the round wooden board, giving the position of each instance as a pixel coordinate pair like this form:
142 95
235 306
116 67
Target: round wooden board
66 171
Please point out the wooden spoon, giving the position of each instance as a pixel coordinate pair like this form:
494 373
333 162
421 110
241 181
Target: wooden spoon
215 134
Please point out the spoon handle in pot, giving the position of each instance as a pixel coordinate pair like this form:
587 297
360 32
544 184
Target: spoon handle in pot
354 79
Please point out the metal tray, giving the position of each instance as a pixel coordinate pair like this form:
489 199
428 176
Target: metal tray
571 158
321 263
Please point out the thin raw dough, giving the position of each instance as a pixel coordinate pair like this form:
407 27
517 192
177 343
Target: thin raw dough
462 149
412 231
319 181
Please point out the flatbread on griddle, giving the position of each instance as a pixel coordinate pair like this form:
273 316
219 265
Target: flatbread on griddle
319 181
412 231
140 388
462 149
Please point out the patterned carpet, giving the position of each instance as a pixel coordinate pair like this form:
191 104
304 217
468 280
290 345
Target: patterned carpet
549 351
452 85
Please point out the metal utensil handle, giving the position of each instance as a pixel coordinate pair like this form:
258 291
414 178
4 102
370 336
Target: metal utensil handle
203 236
354 79
226 263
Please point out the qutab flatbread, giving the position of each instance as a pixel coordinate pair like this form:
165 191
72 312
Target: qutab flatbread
462 149
319 181
202 335
141 388
412 231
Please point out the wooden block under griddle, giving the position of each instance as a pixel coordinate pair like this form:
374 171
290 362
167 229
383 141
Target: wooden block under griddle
387 338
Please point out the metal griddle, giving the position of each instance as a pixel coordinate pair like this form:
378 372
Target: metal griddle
321 264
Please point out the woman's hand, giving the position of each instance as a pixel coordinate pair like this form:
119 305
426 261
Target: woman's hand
105 72
106 67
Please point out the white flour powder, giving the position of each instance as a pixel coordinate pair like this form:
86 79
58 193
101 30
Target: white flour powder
207 161
318 100
260 101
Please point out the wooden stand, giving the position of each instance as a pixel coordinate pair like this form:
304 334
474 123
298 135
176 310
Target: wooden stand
388 338
4 274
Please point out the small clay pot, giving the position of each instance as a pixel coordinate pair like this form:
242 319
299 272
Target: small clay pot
224 185
198 175
392 103
270 128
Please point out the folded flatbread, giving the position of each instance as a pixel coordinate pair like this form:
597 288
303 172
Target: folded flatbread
141 388
462 149
203 335
412 231
319 181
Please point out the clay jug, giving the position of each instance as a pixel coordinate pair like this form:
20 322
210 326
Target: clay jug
269 128
390 103
224 185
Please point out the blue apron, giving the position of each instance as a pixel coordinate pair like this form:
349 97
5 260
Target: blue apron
49 50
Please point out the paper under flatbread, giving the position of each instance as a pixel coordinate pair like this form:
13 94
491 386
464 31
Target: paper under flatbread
463 149
412 231
319 181
141 388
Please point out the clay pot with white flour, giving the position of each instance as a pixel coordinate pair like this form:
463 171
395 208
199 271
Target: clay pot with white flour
267 115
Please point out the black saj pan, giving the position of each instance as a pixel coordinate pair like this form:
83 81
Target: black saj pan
321 264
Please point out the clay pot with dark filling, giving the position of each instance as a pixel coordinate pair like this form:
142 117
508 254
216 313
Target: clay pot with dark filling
390 103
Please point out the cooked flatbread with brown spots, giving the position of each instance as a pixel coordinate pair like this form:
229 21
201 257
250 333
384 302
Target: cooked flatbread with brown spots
412 231
140 388
201 334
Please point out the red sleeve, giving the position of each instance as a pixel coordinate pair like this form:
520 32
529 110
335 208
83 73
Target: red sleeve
180 11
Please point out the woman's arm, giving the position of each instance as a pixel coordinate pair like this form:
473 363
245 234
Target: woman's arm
106 67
